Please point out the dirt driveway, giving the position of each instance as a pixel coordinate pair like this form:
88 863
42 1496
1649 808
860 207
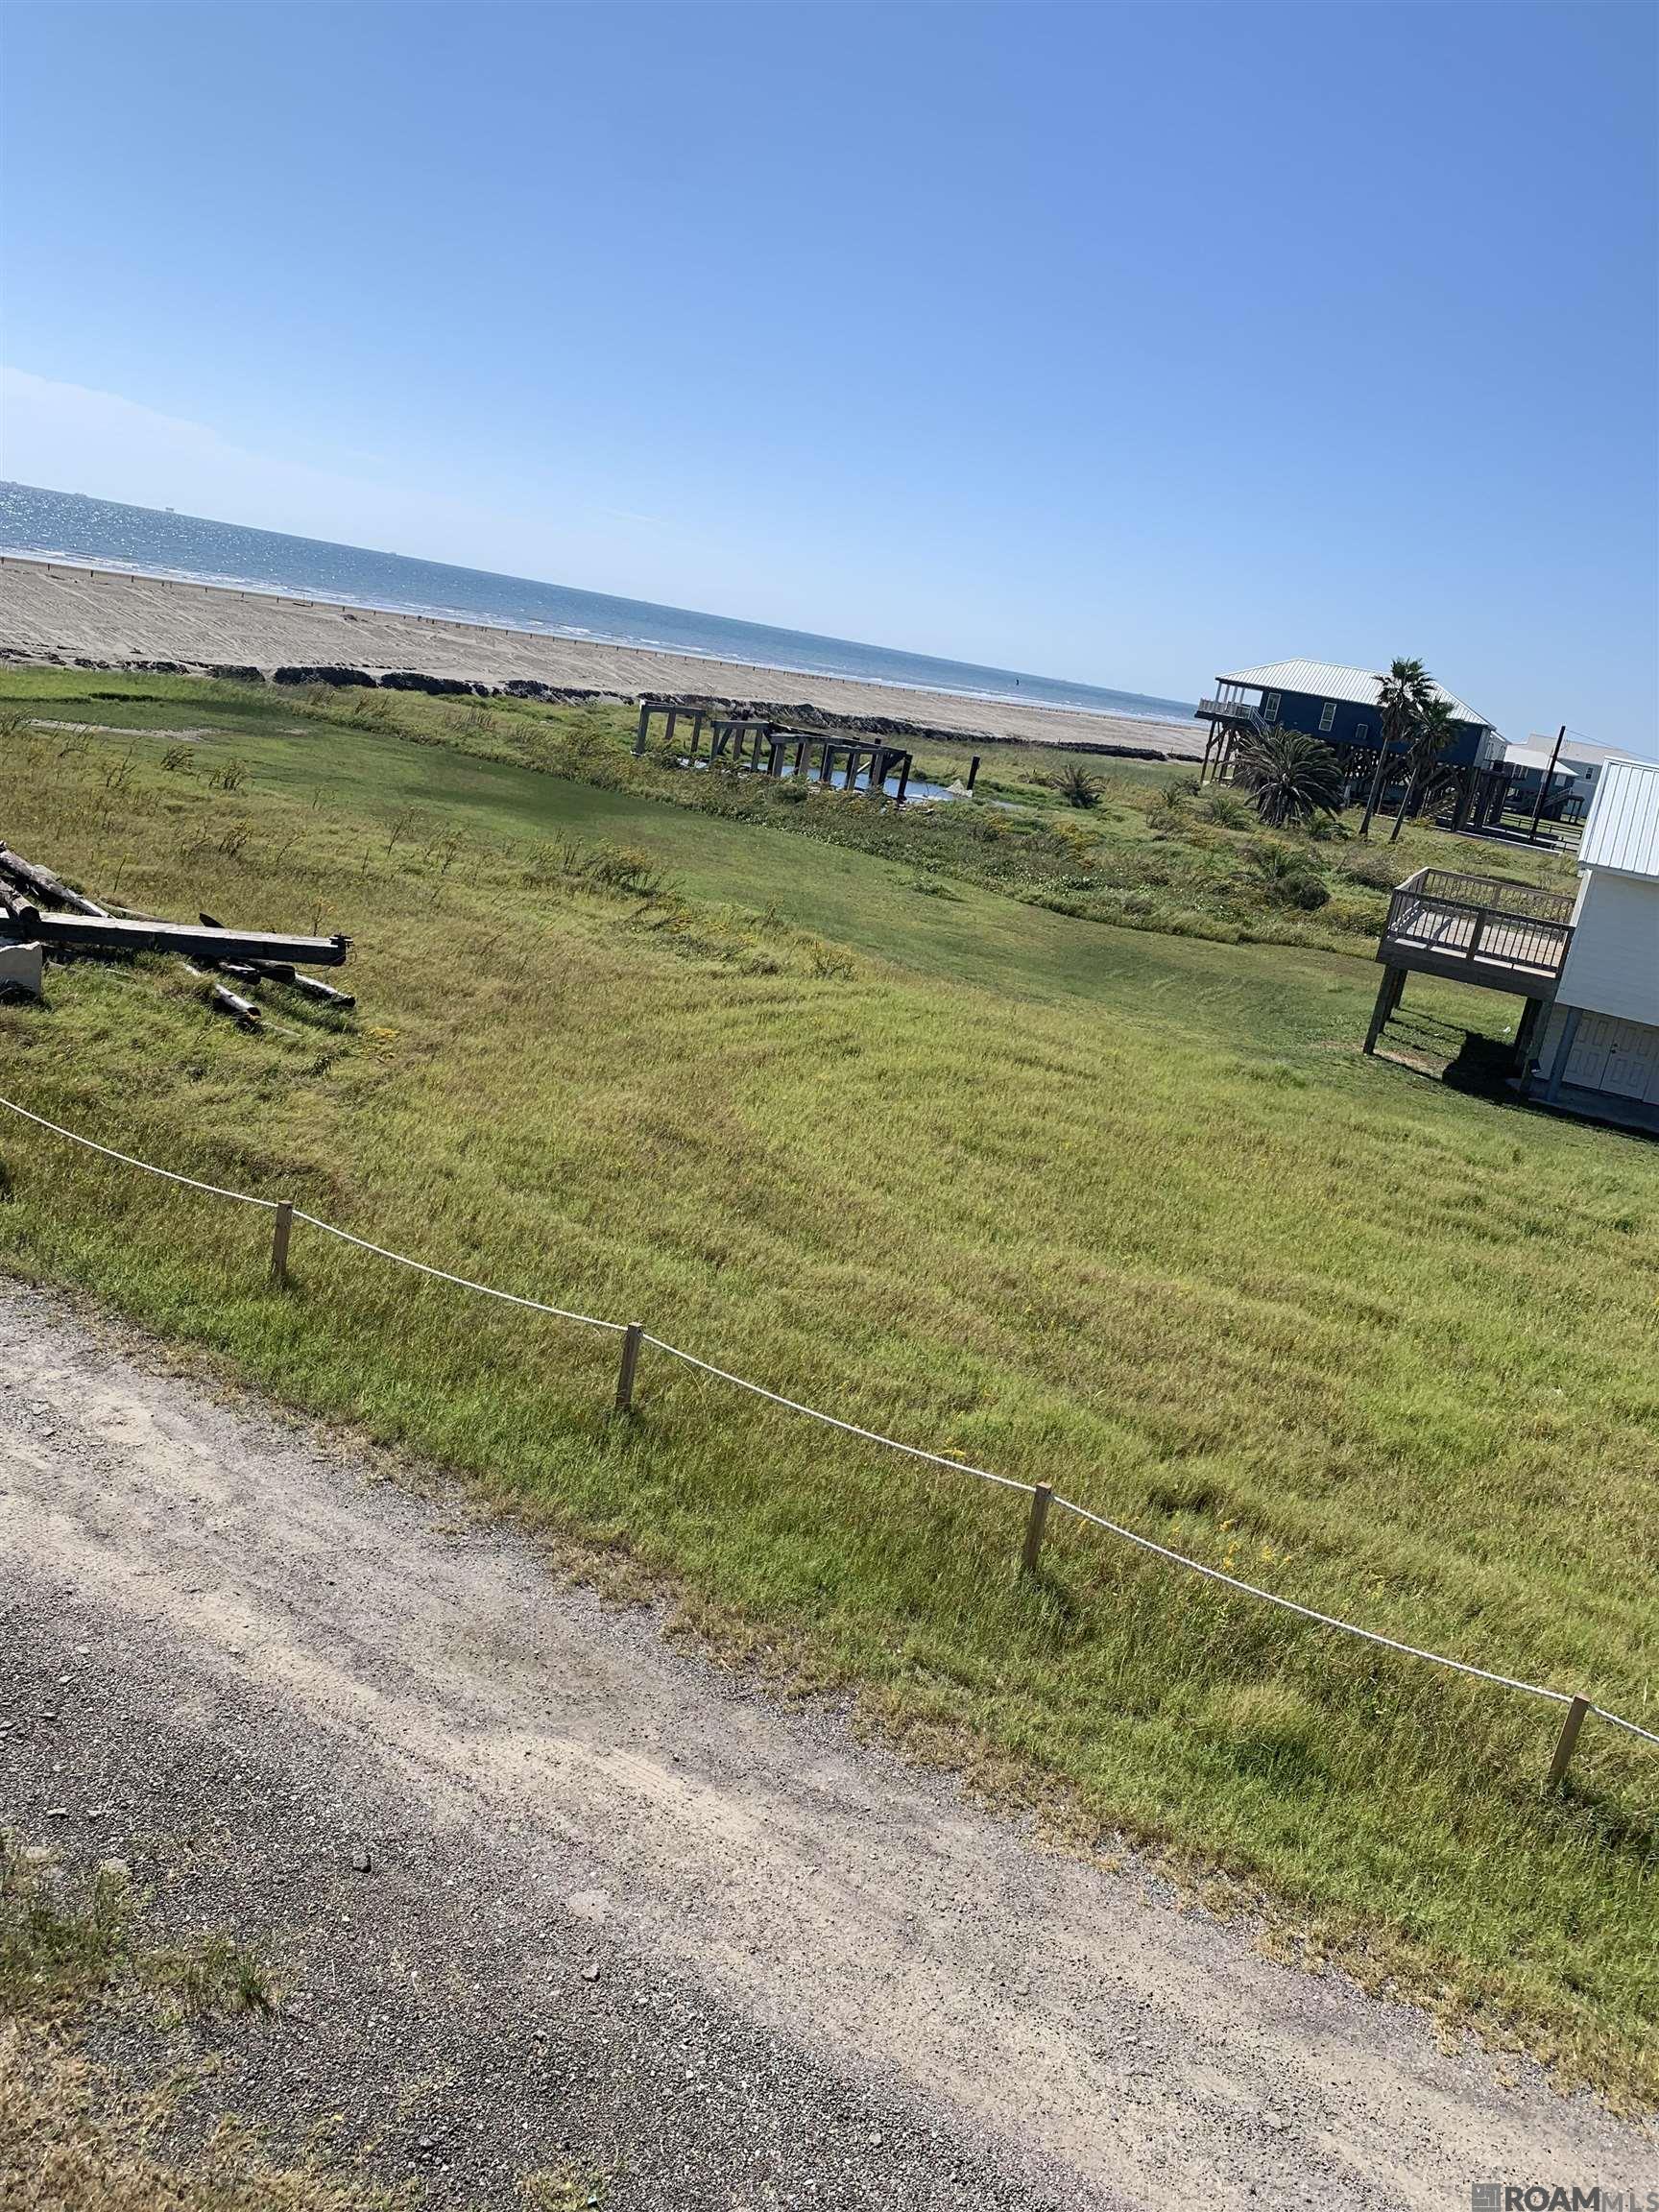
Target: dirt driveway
619 1902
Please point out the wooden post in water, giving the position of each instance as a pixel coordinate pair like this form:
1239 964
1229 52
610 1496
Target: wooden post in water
281 1228
972 771
631 1337
1566 1742
1040 1498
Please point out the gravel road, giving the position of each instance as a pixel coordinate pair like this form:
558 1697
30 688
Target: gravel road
618 1901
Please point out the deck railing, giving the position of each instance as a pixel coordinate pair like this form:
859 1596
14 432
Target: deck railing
1482 920
1526 901
1232 711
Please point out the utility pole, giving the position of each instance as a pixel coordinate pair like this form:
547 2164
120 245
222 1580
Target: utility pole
1548 779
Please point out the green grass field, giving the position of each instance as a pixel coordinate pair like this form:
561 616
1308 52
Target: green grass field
1122 1210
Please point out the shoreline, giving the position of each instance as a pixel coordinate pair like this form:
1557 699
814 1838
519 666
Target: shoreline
84 613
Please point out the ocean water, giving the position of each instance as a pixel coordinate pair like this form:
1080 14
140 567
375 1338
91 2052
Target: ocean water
66 525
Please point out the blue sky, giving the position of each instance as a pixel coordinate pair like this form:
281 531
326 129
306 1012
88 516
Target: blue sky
1127 344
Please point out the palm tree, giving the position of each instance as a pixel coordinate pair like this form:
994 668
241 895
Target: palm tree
1289 776
1406 691
1079 786
1434 732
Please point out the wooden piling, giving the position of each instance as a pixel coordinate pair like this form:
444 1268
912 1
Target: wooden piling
281 1229
1388 995
972 771
1035 1519
632 1337
1566 1742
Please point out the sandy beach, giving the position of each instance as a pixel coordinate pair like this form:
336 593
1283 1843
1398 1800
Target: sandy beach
52 612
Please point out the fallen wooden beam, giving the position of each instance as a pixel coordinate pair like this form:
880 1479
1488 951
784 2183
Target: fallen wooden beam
112 933
44 885
285 971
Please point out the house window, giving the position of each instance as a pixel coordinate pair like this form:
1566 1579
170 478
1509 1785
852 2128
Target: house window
1270 706
1361 731
1327 715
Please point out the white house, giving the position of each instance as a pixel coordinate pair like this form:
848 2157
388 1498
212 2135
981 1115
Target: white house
1598 1049
1577 764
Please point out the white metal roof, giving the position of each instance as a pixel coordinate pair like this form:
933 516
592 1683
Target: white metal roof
1571 749
1538 754
1323 680
1622 832
1573 760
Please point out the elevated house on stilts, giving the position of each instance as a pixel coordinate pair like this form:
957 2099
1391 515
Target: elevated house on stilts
1341 707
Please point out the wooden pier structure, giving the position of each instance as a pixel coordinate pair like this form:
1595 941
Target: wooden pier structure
765 748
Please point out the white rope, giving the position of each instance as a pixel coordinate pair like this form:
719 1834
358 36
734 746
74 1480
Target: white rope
829 1421
850 1428
463 1282
1619 1721
1324 1620
213 1189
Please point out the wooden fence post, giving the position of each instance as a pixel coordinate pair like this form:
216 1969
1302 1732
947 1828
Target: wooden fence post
281 1225
632 1337
1034 1522
1566 1741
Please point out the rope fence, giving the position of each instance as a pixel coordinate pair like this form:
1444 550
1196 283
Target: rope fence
1042 1494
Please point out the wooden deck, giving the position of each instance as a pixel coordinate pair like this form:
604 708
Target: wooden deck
1478 929
1473 929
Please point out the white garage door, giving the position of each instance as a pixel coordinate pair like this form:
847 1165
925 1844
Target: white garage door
1619 1057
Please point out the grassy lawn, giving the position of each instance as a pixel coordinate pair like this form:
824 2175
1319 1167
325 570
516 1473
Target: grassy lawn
1120 1209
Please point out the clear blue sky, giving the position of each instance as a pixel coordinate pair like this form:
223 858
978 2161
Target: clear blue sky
1120 342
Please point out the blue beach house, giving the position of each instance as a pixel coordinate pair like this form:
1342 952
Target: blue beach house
1341 707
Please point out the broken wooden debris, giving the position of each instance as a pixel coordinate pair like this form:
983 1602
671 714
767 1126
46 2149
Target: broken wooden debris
284 972
223 999
45 884
112 933
250 955
229 1001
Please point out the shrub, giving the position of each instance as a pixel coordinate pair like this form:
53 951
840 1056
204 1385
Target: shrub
1289 878
1226 810
1079 786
